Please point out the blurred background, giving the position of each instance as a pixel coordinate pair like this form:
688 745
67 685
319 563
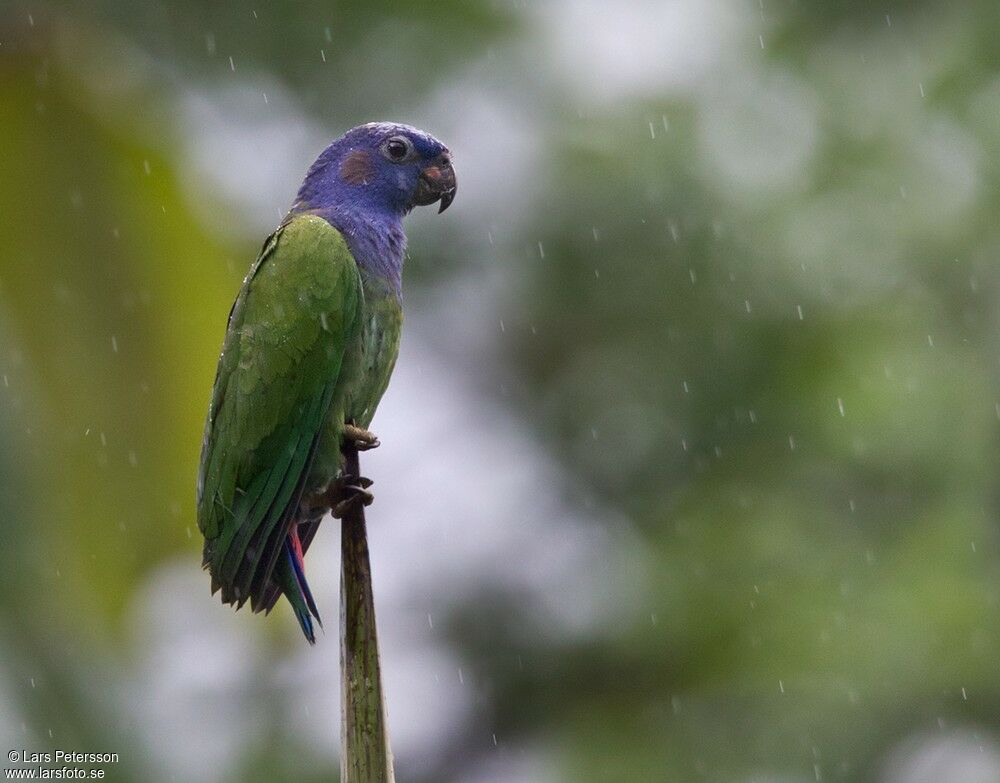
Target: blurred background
702 363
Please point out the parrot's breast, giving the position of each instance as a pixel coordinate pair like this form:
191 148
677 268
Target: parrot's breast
381 327
364 375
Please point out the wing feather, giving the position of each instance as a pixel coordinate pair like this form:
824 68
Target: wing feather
296 314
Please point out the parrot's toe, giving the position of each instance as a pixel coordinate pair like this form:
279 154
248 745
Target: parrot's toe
362 438
344 485
357 495
346 491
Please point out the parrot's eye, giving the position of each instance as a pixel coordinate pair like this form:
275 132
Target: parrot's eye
398 148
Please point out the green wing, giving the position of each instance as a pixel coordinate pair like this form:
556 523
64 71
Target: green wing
288 331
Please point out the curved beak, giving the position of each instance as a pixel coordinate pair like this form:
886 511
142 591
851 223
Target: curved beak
437 182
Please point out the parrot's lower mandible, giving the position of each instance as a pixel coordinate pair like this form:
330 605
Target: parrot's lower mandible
310 345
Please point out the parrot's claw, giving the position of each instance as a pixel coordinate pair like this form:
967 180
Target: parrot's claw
345 484
346 491
362 438
355 494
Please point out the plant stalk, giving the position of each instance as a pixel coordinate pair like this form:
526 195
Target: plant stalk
365 755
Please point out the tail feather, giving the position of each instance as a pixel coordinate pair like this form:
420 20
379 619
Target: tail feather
295 587
306 531
298 564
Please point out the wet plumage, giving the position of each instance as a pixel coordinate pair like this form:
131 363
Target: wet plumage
310 345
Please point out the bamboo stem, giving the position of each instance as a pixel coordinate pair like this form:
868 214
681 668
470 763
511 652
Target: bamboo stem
365 755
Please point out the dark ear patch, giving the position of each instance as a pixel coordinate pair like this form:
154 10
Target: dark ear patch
357 168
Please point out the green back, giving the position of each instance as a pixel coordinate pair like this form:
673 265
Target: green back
297 312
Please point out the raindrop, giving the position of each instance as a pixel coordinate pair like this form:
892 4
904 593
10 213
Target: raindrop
232 64
840 406
652 131
114 343
761 39
541 250
781 686
791 443
461 676
798 309
921 86
146 167
322 53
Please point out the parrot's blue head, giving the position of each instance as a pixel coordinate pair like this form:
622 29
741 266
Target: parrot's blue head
381 168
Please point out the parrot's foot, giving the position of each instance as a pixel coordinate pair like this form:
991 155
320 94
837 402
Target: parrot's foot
357 496
363 439
346 492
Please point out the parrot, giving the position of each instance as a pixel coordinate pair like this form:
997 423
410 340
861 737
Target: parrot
309 348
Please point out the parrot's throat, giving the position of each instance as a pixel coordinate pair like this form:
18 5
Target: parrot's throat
376 241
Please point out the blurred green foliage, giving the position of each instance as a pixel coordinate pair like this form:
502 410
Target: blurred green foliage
757 318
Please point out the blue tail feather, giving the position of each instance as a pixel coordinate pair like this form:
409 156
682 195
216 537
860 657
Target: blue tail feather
302 610
305 622
300 577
